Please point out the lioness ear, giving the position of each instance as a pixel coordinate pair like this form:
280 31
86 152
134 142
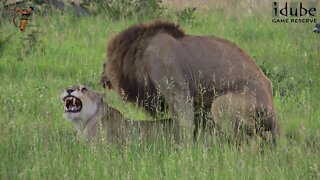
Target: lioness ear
109 85
101 96
105 81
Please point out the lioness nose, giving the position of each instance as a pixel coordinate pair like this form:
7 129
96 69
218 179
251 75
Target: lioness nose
69 91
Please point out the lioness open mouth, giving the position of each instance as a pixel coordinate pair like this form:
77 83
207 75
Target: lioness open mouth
72 104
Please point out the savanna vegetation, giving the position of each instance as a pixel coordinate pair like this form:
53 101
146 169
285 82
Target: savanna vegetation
60 49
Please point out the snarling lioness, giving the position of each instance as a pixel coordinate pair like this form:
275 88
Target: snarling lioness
91 115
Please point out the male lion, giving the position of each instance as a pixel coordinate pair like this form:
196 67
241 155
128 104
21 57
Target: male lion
90 115
146 60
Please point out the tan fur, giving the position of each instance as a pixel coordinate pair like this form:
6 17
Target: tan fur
109 122
145 59
234 112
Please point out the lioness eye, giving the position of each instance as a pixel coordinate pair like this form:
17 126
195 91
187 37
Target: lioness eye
84 89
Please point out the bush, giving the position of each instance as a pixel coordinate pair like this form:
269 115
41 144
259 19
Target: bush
186 15
284 83
119 9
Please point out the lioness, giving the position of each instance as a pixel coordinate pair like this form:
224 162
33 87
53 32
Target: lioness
235 113
89 113
146 60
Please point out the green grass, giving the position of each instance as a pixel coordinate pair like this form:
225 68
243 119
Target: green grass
37 143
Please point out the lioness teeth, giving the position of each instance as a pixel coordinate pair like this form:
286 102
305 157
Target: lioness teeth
72 104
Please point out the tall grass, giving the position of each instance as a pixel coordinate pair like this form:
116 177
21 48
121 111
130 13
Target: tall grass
37 143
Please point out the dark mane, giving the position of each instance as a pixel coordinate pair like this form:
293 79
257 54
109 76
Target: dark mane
134 34
125 51
138 35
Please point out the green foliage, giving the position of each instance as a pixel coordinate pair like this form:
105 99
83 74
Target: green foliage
284 82
30 43
121 9
186 15
3 41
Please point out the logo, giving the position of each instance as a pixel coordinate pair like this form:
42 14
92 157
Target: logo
294 12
